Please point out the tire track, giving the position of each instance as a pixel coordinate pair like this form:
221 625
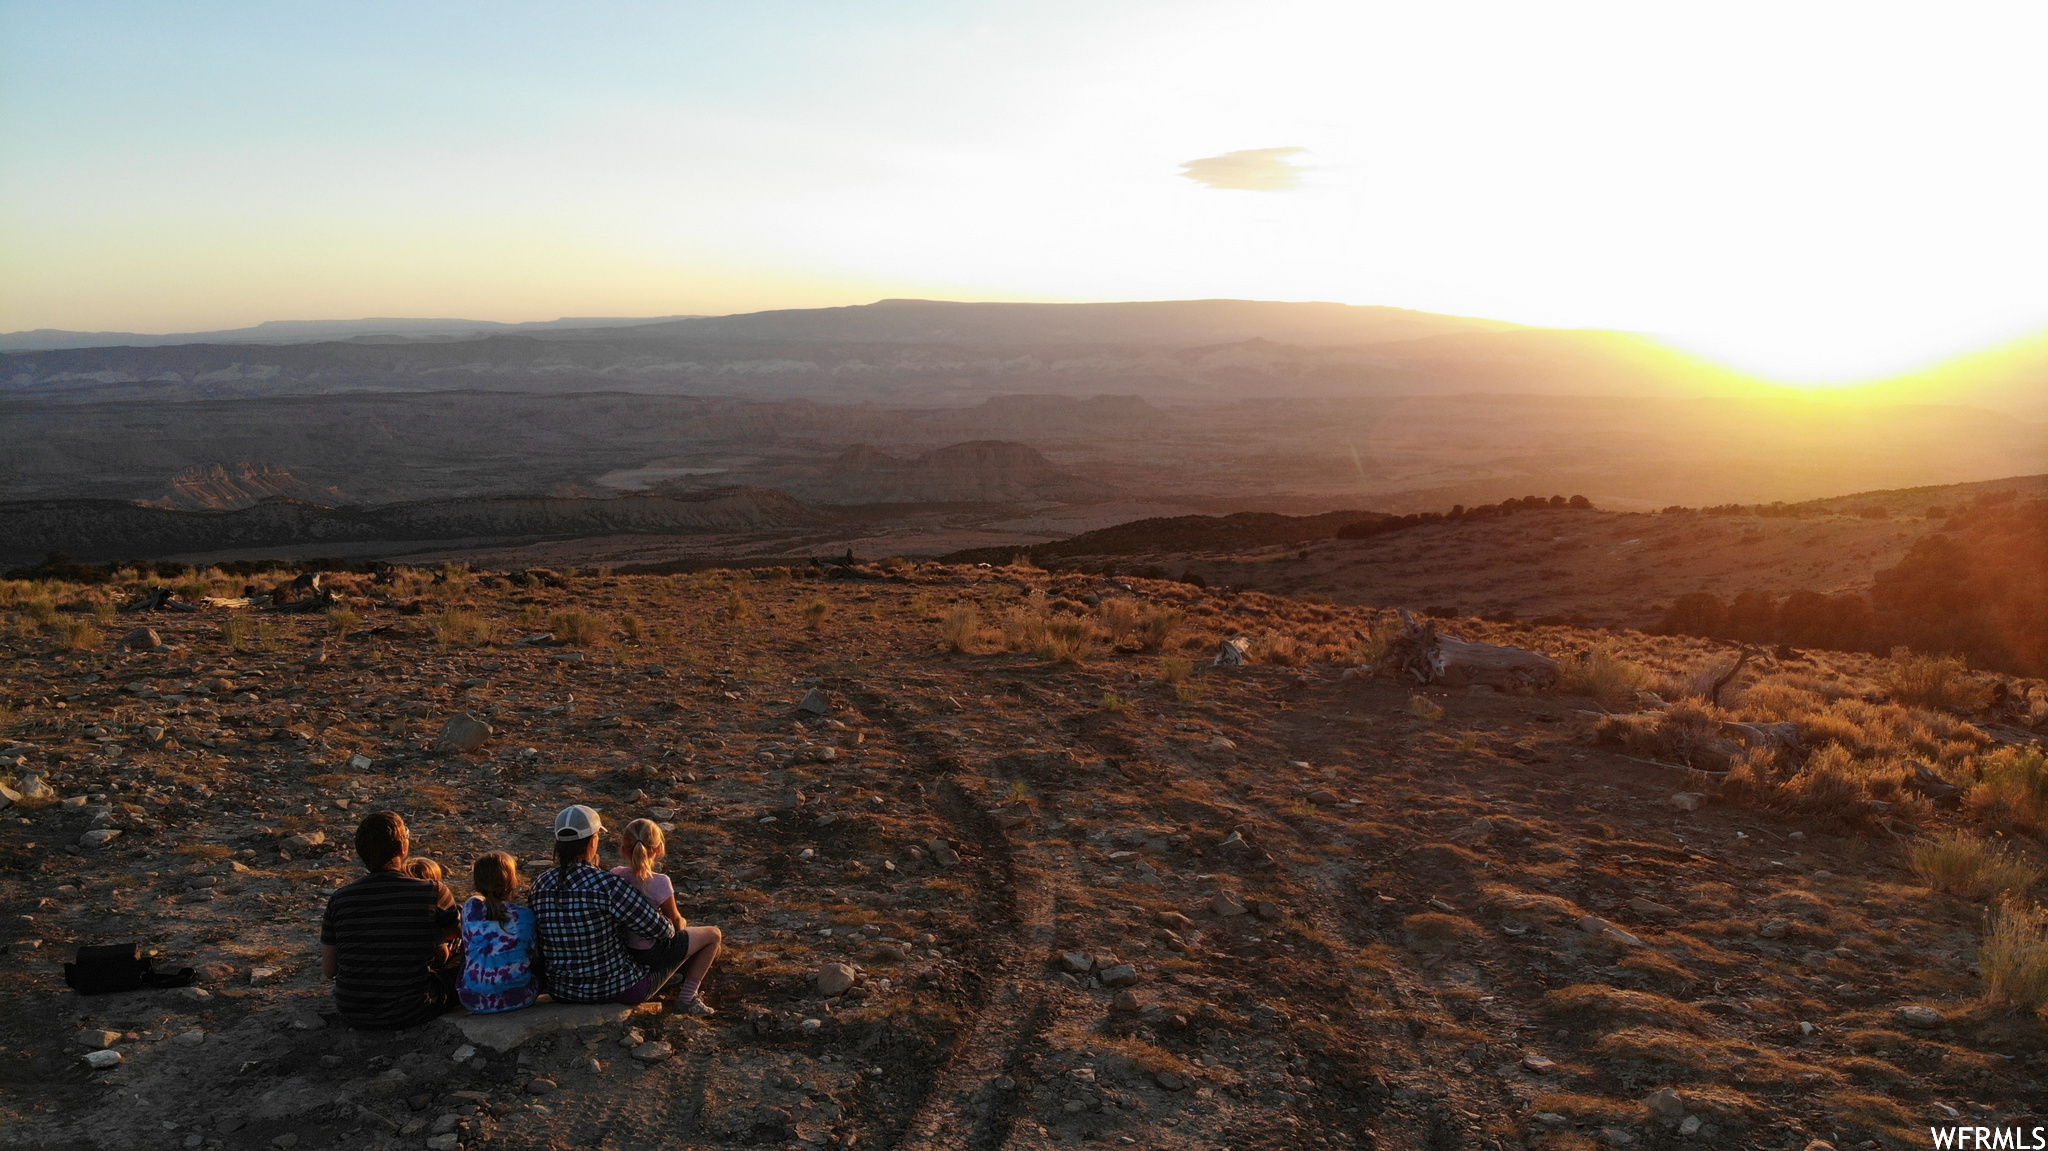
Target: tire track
964 1109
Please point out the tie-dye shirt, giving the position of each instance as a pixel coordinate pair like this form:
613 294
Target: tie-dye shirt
498 975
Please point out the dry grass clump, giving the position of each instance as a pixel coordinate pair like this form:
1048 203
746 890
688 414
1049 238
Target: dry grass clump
2013 790
1684 733
1830 784
1596 1005
1603 675
1972 868
1435 931
1129 622
2014 958
460 627
78 635
1941 683
1066 641
959 628
578 627
237 632
341 621
1023 628
816 612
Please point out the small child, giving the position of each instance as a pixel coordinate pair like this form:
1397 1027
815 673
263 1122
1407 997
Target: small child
643 846
420 867
500 938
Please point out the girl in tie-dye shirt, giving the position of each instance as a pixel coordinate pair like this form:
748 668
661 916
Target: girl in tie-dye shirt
499 936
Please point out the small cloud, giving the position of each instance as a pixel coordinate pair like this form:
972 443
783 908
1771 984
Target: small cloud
1252 170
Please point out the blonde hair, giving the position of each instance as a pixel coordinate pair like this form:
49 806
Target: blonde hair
496 877
642 843
420 867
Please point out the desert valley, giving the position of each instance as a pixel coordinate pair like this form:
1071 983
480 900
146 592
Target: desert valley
1063 764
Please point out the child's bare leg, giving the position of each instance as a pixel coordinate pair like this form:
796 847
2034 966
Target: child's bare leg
704 945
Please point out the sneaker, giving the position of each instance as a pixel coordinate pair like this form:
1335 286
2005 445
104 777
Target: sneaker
696 1007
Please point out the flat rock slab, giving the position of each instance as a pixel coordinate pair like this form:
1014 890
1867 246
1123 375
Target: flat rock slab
505 1030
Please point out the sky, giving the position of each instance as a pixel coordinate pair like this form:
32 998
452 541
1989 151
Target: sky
1814 192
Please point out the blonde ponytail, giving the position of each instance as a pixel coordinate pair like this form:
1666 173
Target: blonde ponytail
642 844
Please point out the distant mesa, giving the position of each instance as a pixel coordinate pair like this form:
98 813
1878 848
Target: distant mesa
116 530
977 472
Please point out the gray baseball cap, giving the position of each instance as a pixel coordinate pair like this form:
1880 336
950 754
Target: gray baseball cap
577 822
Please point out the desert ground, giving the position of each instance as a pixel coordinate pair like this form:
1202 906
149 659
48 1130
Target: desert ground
1091 888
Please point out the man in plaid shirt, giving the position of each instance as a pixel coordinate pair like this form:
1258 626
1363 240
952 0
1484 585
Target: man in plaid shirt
582 911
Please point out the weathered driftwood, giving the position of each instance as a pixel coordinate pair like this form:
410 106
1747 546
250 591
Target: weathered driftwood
1778 737
1432 658
157 599
1727 677
320 600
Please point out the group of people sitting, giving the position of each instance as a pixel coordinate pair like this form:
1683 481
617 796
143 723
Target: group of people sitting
400 951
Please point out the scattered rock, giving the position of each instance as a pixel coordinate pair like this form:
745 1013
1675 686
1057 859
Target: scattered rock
1916 1015
814 701
1078 962
303 842
8 796
1684 800
1122 975
1224 903
99 1040
99 837
653 1052
1125 1001
835 979
1642 906
447 1142
142 639
1666 1103
1268 910
1596 926
539 1086
1538 1063
462 733
102 1059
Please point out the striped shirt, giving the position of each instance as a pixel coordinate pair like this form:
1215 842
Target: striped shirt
386 929
582 911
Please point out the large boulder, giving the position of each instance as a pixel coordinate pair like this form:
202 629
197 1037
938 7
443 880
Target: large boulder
462 733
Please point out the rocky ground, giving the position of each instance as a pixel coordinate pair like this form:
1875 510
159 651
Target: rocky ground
1118 900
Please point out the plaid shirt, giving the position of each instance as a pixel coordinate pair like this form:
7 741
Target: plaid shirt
582 910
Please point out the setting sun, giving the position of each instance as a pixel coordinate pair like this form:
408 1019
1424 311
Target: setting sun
1811 193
